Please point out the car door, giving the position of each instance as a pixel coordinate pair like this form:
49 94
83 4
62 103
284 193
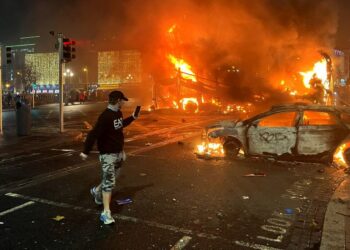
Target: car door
273 134
318 132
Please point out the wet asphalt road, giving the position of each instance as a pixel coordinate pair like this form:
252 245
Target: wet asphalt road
179 201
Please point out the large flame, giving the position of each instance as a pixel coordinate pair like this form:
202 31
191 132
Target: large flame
183 67
320 70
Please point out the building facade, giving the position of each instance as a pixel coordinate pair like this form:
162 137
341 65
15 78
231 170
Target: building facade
119 67
43 69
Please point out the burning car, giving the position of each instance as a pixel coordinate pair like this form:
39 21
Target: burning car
287 131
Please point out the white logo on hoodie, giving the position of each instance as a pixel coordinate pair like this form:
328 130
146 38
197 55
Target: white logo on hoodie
118 123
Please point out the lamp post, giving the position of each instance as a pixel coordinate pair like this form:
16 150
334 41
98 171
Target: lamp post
85 69
68 74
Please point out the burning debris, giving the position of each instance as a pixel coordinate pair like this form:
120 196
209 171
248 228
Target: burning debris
210 150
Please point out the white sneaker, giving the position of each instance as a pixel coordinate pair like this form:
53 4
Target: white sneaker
97 198
106 217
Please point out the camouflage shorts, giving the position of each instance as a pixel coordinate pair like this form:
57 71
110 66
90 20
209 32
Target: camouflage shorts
111 164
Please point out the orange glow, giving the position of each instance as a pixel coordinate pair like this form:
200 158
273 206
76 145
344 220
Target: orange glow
320 69
175 105
184 68
210 149
338 156
186 101
172 28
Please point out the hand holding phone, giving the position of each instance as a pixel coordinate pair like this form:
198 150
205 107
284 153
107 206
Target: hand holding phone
137 112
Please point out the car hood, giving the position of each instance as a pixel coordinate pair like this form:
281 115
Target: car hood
225 124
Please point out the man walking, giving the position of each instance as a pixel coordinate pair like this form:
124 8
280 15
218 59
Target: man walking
108 131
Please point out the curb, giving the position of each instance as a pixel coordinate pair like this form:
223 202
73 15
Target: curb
334 227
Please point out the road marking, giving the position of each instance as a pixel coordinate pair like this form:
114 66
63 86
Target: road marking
28 182
255 246
63 150
121 217
35 160
166 130
16 208
181 244
163 143
17 185
18 157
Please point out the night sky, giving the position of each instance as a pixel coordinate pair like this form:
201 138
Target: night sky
106 19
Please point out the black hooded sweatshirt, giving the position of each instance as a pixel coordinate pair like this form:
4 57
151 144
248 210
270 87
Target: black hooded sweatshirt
108 131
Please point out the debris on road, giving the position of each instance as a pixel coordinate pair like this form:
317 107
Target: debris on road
180 143
289 211
220 215
124 201
255 174
197 221
245 197
58 218
148 143
143 174
321 170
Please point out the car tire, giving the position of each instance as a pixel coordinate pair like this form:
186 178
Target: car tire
347 156
231 147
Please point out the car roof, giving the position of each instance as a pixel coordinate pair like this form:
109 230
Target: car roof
299 107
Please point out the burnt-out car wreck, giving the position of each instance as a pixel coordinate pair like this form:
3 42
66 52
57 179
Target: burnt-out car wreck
290 132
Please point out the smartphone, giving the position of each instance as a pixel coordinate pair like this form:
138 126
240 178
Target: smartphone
137 111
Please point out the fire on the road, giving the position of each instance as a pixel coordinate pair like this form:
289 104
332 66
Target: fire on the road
210 149
338 156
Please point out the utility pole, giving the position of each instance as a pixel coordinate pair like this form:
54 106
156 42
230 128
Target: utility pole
1 131
66 51
60 82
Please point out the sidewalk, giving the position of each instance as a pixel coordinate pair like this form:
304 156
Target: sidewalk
40 137
336 228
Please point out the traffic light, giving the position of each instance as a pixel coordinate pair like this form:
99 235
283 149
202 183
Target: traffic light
68 50
8 55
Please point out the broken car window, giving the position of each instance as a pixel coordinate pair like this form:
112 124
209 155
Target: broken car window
286 119
315 118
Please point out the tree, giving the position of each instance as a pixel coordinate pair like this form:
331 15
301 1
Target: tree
28 77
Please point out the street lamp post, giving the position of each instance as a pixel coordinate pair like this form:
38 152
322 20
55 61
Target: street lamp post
85 69
68 74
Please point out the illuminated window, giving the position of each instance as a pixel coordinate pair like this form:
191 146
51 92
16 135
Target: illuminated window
315 118
286 119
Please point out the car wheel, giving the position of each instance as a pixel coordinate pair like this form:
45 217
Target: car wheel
347 156
231 148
